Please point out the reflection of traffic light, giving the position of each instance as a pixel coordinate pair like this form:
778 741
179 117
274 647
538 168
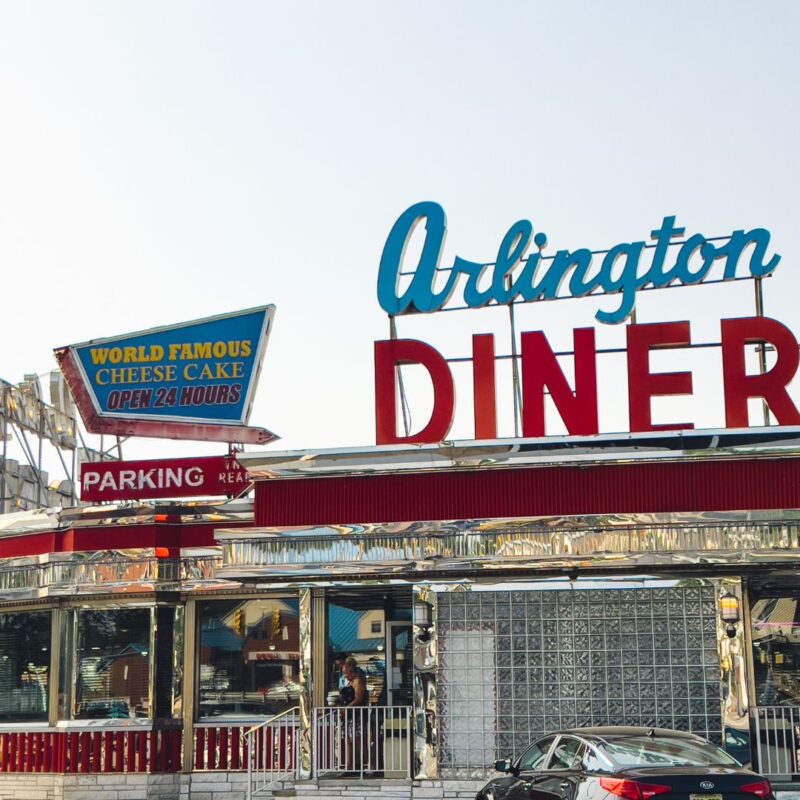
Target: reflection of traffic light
276 624
238 622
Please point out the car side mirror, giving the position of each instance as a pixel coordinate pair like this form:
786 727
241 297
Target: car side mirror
503 766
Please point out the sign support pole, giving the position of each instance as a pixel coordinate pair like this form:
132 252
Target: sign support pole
514 363
761 349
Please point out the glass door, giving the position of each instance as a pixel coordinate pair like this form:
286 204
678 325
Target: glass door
399 657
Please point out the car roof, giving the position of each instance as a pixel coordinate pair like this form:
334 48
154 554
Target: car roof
620 731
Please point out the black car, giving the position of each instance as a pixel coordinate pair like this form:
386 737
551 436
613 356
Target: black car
630 763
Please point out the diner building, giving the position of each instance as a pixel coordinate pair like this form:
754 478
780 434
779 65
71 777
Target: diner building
489 592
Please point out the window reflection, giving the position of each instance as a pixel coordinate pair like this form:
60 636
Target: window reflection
24 665
249 657
359 632
113 661
776 650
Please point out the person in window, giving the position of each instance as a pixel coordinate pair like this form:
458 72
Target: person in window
353 690
354 695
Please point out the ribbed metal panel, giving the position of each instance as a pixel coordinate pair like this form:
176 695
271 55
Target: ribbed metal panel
548 491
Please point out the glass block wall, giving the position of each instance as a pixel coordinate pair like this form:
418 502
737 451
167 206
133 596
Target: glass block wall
516 664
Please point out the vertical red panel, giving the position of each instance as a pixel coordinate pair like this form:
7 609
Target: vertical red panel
97 751
163 750
47 752
130 751
59 752
199 741
108 751
223 748
4 749
235 748
176 738
245 762
211 748
38 755
74 751
85 751
141 749
119 751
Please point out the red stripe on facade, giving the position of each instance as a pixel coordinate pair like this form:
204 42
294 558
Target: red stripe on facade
114 537
724 485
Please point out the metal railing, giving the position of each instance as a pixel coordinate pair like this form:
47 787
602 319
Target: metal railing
777 738
271 751
367 741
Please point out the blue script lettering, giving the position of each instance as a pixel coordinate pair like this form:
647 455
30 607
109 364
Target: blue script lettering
515 276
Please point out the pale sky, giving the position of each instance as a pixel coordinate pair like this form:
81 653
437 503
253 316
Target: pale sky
164 161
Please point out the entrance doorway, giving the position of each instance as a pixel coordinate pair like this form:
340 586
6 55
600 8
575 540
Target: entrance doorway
363 728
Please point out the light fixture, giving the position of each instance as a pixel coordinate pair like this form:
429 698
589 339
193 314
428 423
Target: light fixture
729 612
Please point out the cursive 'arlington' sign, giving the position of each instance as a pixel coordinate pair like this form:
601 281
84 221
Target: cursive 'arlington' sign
520 274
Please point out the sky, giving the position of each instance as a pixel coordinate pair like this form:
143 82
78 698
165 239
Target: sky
162 162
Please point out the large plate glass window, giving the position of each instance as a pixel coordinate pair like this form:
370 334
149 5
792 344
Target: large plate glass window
113 663
249 657
776 649
24 666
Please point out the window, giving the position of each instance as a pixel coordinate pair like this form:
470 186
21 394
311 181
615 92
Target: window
567 753
775 630
533 757
249 659
377 627
593 763
113 663
24 666
673 751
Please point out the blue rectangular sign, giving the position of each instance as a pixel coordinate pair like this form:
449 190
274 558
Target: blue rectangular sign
202 371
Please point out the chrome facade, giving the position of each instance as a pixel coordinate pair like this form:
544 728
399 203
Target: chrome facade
465 547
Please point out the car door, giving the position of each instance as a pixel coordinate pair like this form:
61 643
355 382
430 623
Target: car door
561 773
526 769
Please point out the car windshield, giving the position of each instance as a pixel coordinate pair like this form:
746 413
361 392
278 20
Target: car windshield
645 751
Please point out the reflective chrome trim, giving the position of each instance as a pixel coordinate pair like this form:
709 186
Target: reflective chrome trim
536 543
107 572
37 521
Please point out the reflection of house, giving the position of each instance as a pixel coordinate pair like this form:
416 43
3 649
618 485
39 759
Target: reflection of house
362 635
124 675
354 632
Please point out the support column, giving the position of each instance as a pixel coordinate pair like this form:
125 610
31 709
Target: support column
189 689
424 723
734 662
319 649
306 628
55 678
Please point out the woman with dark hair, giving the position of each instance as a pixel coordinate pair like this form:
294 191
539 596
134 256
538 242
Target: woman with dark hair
354 690
353 694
